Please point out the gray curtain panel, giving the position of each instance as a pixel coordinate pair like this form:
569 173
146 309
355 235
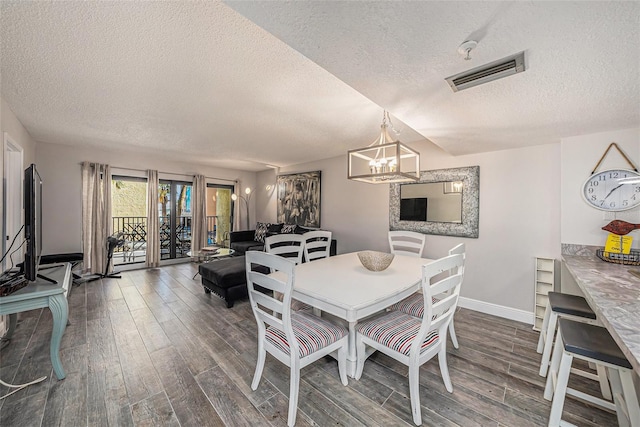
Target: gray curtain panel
96 215
153 228
199 215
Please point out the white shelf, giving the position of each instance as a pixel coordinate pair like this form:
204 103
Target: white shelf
544 282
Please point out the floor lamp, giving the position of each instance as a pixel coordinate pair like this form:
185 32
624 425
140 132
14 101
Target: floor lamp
235 197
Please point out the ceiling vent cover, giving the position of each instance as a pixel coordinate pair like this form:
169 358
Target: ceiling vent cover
486 73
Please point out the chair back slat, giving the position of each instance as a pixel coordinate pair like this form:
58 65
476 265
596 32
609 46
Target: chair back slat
267 281
458 249
446 284
317 244
268 302
442 310
286 245
442 265
269 319
406 243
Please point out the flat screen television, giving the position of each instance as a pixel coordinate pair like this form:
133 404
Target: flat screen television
414 209
32 222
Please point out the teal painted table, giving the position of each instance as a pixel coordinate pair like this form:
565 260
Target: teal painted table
40 294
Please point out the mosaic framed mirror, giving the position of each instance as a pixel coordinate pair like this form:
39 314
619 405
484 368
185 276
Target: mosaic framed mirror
443 201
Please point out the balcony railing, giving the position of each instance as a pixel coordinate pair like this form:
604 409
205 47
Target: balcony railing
134 233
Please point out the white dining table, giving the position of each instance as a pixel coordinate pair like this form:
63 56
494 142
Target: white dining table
342 286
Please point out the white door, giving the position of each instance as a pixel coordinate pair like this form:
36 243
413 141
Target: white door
12 212
12 205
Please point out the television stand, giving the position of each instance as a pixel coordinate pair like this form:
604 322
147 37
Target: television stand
38 295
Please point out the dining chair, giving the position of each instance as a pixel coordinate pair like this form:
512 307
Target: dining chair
413 341
406 243
286 245
459 249
317 244
290 246
294 338
414 304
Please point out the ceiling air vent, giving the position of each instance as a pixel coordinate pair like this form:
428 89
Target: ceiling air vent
486 73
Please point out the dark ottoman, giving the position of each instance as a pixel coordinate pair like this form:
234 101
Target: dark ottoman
226 278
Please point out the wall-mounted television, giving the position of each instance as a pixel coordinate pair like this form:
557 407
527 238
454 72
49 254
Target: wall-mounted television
414 209
33 223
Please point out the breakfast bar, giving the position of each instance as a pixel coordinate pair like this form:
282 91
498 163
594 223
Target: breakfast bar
613 292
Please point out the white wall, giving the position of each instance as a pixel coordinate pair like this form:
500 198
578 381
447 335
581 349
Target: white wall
519 217
522 195
582 224
10 124
59 167
18 135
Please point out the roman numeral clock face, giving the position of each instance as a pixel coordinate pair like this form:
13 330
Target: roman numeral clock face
613 190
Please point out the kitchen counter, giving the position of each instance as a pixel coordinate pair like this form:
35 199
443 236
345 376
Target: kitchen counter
614 294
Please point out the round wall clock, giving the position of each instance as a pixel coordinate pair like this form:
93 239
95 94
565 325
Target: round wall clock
613 190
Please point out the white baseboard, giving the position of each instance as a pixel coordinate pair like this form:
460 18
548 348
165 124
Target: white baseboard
497 310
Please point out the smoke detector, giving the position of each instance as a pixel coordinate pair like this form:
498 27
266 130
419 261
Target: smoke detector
486 73
466 47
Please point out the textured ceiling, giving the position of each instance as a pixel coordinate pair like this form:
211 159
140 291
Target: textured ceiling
201 82
583 61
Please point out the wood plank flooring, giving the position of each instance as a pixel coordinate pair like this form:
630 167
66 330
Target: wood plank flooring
152 349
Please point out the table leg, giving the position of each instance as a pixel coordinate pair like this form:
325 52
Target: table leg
351 355
13 322
60 312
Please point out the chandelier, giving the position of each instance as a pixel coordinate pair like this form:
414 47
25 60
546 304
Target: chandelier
384 161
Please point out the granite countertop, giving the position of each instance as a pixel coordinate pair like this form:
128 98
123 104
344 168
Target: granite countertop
613 292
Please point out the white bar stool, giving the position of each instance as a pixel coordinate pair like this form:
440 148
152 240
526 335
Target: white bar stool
560 305
593 344
575 308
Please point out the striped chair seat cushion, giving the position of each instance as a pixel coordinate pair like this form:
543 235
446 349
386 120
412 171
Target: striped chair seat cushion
412 305
312 333
397 330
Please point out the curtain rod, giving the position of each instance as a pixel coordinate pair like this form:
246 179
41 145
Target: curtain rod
171 173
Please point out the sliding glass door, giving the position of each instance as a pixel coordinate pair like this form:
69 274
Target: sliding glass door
174 211
129 218
174 217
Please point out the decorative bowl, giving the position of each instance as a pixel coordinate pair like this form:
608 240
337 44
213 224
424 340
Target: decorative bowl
375 261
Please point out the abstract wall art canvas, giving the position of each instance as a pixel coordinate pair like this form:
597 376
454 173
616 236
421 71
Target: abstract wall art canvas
299 199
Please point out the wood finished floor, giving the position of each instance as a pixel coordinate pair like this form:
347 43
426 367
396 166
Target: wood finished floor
152 349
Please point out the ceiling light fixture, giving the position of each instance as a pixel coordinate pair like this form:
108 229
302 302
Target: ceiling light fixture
385 160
